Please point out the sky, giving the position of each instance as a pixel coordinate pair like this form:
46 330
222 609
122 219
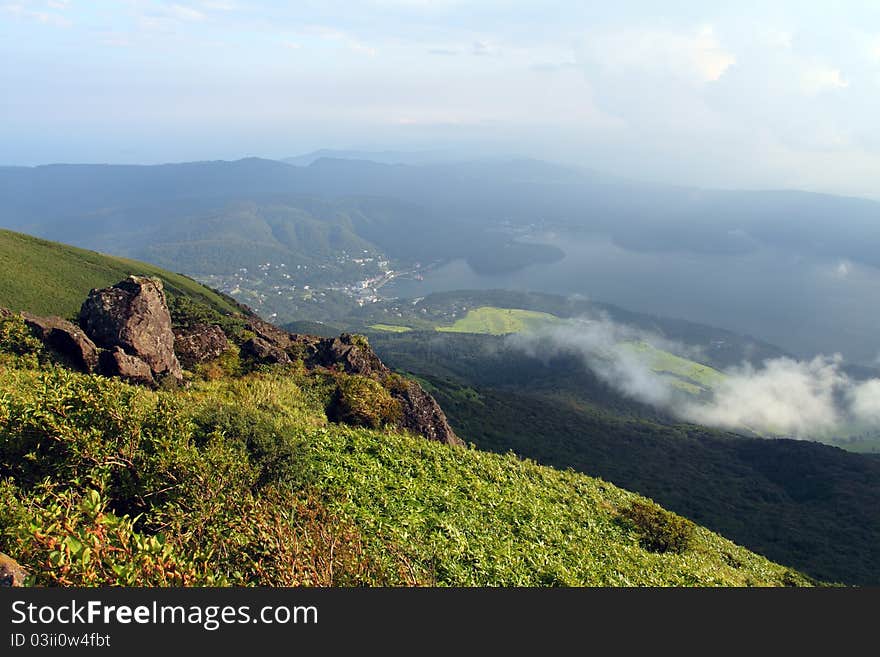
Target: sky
713 94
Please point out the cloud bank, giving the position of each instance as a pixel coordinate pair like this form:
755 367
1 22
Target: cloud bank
781 396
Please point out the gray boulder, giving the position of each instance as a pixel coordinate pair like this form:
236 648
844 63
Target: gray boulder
199 344
133 315
66 340
115 362
264 351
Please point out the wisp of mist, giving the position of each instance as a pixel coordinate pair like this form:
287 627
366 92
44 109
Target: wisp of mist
780 396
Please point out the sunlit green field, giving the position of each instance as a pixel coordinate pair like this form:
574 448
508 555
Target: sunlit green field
499 321
390 328
687 375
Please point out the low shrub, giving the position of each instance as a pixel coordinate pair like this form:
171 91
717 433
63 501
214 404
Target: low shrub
658 529
362 401
17 340
227 364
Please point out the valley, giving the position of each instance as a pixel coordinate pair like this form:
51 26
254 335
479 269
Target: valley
501 316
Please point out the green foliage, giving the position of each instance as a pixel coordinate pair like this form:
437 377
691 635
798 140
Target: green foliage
272 453
16 340
227 364
658 529
105 483
362 401
242 481
359 340
187 312
72 539
470 518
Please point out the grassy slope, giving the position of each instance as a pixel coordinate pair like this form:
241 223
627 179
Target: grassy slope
807 505
498 321
390 328
453 516
687 375
50 278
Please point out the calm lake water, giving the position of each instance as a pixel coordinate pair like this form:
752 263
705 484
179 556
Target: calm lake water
803 305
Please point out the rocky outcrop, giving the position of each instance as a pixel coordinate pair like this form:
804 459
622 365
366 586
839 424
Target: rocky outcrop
115 362
265 352
421 414
199 344
270 333
125 331
133 315
66 340
5 312
352 354
11 573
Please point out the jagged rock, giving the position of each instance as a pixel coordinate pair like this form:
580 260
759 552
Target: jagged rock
115 362
264 351
4 312
349 352
11 573
421 414
66 339
352 354
270 333
199 344
133 315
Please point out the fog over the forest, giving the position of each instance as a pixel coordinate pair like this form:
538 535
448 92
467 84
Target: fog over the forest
780 396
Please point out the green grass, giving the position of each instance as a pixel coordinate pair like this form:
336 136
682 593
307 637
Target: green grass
474 519
689 376
499 321
80 453
686 375
390 328
50 278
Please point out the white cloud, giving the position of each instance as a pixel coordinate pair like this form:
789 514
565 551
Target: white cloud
185 12
775 38
483 48
874 50
33 11
344 38
818 79
695 54
781 396
865 401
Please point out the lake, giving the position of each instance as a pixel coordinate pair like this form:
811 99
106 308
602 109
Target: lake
804 305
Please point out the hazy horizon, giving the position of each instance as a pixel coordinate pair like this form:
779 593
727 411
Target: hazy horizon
688 93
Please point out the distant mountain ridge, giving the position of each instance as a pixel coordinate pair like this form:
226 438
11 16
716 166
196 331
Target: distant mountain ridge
642 217
212 218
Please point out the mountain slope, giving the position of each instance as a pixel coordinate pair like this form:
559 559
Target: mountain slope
244 481
241 478
52 278
809 505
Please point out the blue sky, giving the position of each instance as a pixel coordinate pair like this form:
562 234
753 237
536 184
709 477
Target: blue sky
747 94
